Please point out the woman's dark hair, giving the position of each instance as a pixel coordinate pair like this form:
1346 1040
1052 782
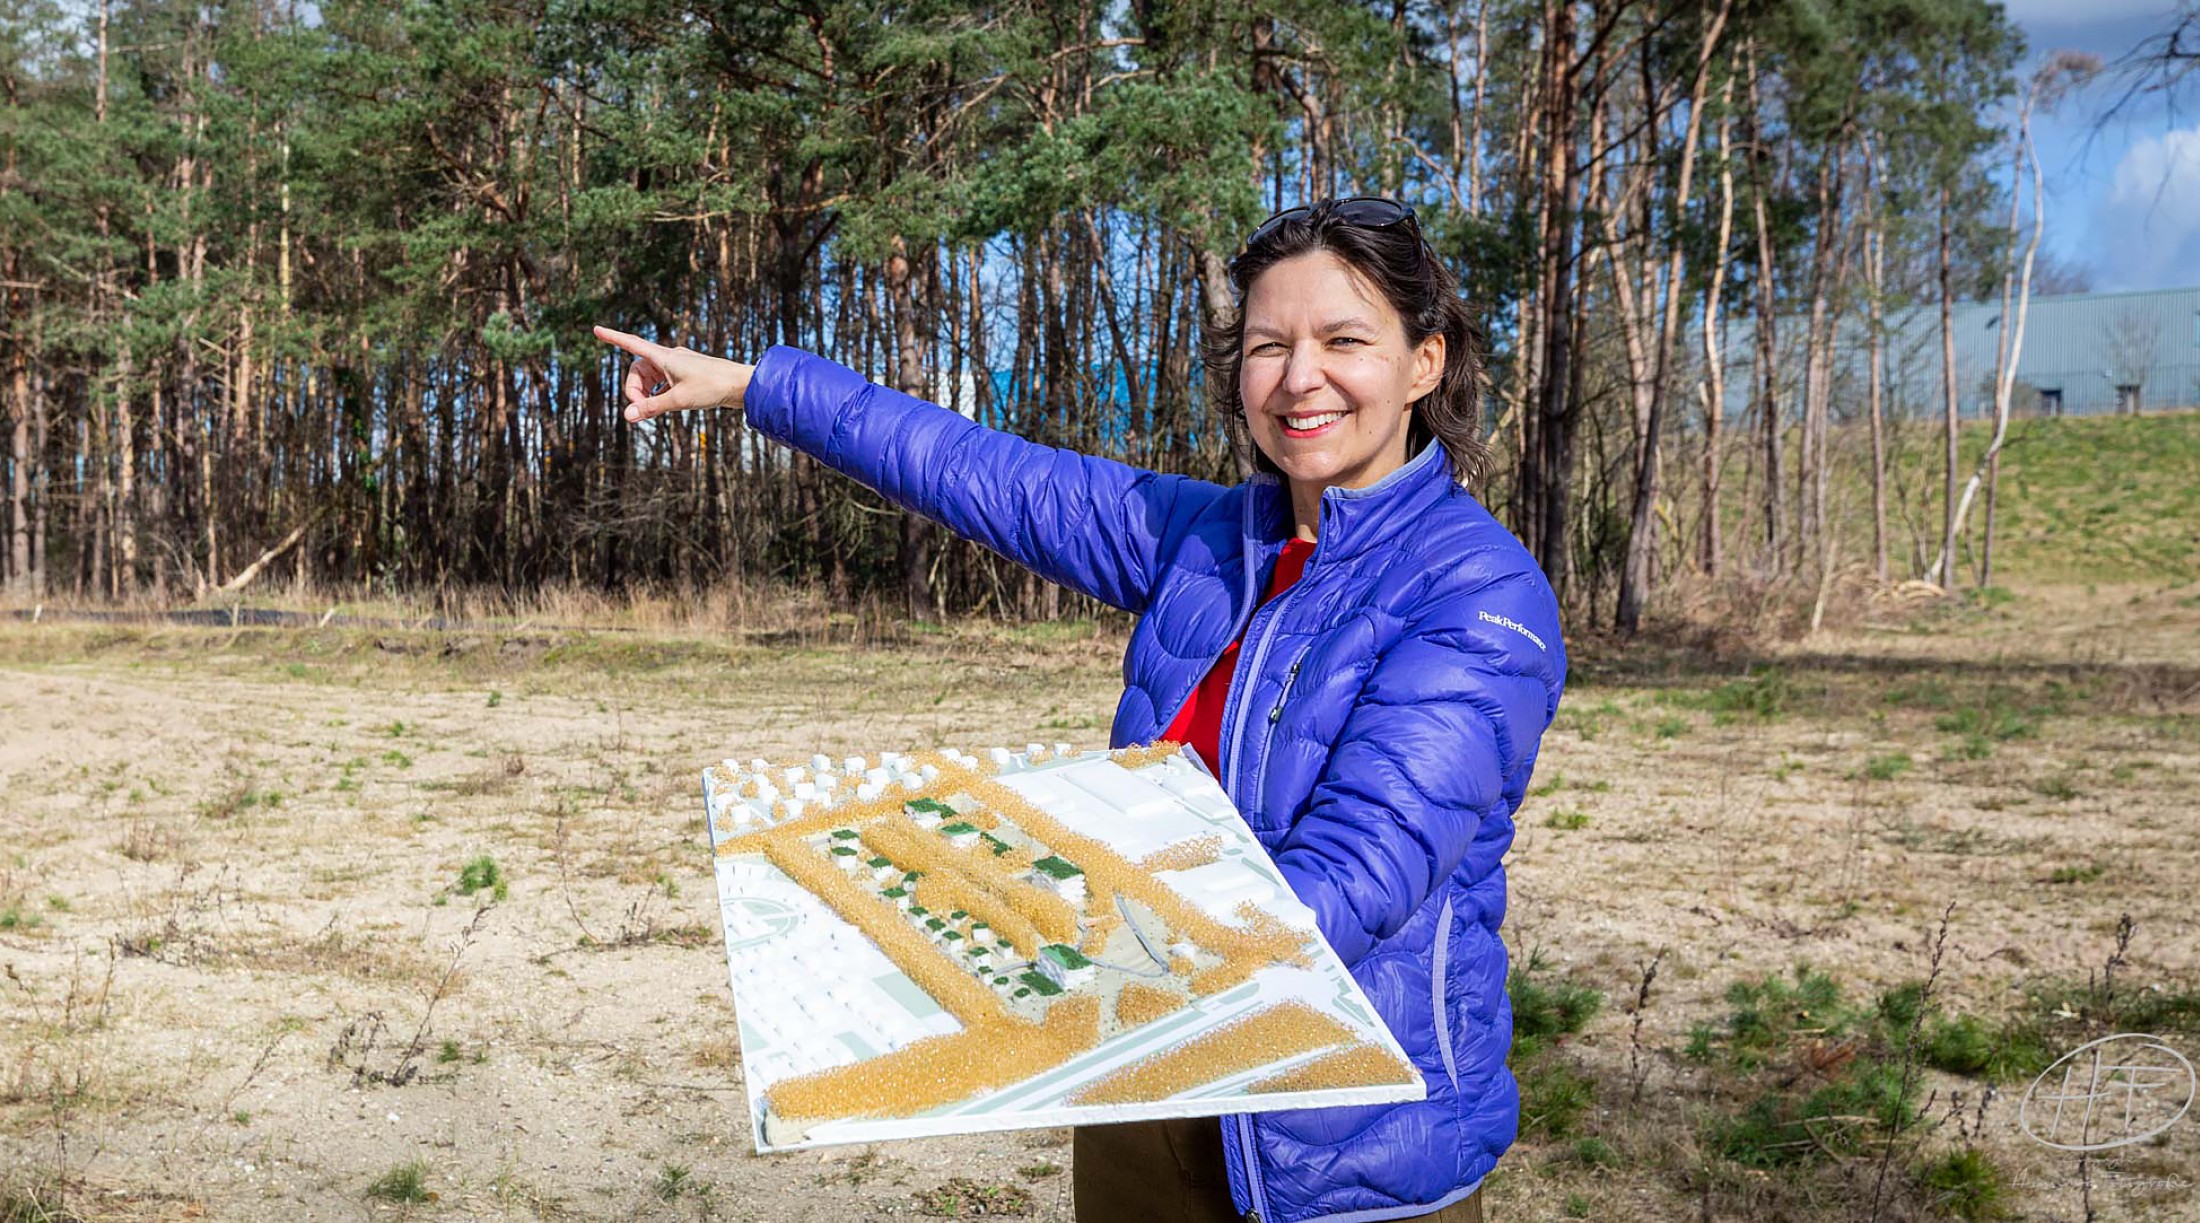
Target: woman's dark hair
1425 294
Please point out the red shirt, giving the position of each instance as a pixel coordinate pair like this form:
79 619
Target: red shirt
1199 723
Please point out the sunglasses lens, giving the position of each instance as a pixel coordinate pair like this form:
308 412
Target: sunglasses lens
1372 213
1366 211
1277 221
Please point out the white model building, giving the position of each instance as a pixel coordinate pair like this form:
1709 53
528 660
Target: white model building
1059 877
1065 966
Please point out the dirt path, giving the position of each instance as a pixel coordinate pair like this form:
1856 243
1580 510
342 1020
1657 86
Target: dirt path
241 982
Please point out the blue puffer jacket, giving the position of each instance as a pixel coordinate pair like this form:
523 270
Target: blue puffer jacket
1381 728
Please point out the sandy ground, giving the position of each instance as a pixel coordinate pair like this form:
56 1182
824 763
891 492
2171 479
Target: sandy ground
241 982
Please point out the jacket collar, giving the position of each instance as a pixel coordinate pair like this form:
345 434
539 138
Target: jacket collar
1355 520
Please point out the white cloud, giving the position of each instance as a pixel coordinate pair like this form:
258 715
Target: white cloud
2149 223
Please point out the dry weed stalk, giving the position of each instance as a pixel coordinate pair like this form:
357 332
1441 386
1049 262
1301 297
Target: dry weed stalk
1636 1070
354 1046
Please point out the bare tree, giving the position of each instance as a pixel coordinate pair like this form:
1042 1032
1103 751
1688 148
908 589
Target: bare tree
2062 71
2128 349
2165 64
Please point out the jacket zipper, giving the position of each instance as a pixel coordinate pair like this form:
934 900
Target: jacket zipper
1251 1159
1275 715
1241 699
1291 677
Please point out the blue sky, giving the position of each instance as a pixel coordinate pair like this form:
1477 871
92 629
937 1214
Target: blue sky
2123 198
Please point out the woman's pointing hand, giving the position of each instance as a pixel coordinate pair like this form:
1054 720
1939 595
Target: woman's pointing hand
675 379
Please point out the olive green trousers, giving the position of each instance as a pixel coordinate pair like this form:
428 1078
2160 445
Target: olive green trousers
1172 1172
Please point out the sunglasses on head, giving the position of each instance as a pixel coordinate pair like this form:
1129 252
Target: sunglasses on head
1364 211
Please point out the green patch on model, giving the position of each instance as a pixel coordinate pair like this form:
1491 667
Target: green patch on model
1055 868
879 864
1039 985
960 828
842 851
934 923
1062 955
994 843
934 806
953 936
895 893
844 834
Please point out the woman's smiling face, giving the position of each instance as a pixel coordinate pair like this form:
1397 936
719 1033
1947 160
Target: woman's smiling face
1327 375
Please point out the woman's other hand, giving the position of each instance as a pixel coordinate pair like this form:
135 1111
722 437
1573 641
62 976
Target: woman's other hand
675 379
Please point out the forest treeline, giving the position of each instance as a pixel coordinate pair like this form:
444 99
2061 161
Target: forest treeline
303 292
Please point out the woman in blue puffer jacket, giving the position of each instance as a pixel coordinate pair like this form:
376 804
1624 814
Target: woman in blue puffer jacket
1365 656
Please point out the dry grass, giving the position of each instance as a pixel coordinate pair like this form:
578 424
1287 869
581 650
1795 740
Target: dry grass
184 961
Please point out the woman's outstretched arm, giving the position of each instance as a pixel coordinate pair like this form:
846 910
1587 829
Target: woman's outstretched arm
1091 524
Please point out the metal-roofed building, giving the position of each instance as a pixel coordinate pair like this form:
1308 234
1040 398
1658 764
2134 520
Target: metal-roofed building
2084 353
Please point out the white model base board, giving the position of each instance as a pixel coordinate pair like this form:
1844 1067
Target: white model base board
819 998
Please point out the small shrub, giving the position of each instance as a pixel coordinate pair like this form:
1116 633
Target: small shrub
1965 1184
482 874
1553 1096
2075 874
1970 747
406 1183
1767 1014
1888 767
1780 1128
2058 788
1568 821
1671 727
1995 720
672 1181
964 1198
1595 1153
1545 1010
1762 695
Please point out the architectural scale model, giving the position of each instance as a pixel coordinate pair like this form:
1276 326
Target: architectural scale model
942 943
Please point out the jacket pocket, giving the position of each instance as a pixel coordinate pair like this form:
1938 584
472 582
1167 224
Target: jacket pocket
1439 976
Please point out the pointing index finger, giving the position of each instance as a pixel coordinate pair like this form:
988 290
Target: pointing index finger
631 343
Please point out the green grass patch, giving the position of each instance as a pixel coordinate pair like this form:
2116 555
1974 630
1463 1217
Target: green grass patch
1964 1184
1554 1093
1545 1008
483 875
2058 787
406 1184
1887 767
2097 499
